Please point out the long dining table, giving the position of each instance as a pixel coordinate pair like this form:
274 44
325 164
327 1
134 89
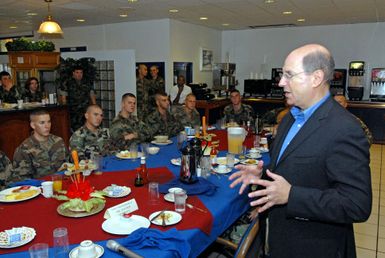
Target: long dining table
224 207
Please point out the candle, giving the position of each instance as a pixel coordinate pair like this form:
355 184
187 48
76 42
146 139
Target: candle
204 125
75 157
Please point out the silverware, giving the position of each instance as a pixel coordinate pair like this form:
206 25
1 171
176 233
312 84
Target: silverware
158 215
193 207
163 220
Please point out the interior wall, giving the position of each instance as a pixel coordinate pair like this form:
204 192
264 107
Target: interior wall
186 40
124 65
249 49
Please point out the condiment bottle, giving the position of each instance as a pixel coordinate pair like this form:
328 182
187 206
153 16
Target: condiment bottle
138 180
213 155
143 169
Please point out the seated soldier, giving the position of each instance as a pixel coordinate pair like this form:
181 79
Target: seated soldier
237 111
90 139
5 169
161 122
187 114
342 101
40 154
126 128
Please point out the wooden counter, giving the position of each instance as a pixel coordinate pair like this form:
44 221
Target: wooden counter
210 107
15 128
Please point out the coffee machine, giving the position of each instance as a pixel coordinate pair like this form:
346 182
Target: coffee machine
337 84
377 84
356 82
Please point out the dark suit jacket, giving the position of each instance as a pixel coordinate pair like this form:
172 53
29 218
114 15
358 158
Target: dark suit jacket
327 164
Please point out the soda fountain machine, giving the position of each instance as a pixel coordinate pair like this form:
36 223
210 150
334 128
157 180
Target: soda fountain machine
356 82
377 84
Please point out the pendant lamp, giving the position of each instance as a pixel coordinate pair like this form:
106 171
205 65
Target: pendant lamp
49 26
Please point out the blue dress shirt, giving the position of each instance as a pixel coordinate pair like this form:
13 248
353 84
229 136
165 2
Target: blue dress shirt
300 119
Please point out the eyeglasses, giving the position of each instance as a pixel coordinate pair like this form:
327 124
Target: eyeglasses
288 76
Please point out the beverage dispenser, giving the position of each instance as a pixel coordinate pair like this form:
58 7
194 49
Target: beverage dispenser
377 84
356 83
224 76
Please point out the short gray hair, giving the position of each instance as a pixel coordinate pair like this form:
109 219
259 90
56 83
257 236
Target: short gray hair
319 60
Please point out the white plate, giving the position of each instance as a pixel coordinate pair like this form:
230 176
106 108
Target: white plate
170 197
249 162
121 155
124 191
30 234
228 170
161 143
223 161
8 193
254 156
176 162
75 252
172 218
262 150
125 226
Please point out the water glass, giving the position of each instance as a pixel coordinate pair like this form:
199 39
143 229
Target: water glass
39 250
230 159
181 138
180 197
205 166
60 242
257 140
144 149
153 190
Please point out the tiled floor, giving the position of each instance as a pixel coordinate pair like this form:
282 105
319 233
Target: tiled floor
370 236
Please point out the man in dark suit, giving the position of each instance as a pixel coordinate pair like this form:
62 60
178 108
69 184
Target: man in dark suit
318 182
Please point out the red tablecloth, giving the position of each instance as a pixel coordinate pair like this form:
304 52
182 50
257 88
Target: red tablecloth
221 135
40 213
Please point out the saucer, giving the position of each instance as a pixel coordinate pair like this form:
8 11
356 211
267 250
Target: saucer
254 156
75 252
228 170
170 197
161 143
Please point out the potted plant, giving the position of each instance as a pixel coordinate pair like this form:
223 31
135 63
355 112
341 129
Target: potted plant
23 44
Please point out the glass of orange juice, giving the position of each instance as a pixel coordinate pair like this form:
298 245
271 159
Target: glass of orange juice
57 182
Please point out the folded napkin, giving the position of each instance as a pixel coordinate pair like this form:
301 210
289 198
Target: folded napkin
202 186
170 240
33 182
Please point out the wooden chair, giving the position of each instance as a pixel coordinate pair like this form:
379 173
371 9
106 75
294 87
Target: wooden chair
250 244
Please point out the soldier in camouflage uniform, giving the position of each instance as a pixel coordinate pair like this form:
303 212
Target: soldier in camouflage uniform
90 138
187 115
126 128
238 112
78 95
9 93
40 154
143 86
161 122
5 169
342 101
157 85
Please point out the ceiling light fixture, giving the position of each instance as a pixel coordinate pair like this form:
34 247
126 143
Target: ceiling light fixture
203 18
287 12
31 14
80 20
225 24
173 10
13 27
123 15
301 20
269 1
49 26
132 1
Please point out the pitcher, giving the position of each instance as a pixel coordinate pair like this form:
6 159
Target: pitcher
235 138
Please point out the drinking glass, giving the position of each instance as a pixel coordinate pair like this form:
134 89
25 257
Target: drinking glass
57 182
230 160
39 250
60 242
206 166
181 138
134 150
153 190
257 139
180 197
144 149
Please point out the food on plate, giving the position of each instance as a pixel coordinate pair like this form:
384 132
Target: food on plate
16 235
125 154
21 195
165 216
251 161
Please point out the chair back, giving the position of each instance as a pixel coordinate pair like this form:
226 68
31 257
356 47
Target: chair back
251 242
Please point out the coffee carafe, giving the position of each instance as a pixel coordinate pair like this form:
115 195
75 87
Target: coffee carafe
190 161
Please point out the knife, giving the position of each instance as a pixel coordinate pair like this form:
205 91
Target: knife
158 215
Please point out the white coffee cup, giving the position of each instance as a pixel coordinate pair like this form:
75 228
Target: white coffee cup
47 188
20 103
222 168
87 249
254 153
